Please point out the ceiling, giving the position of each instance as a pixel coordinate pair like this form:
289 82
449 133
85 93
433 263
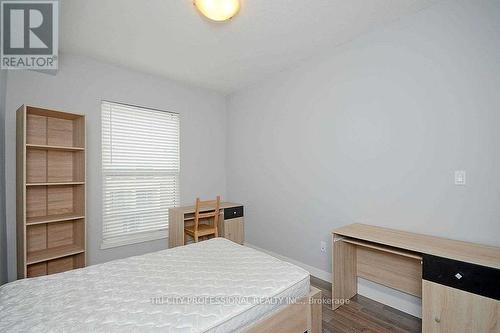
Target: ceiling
170 38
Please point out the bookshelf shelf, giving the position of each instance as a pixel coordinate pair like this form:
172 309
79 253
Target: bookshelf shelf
53 253
53 218
60 148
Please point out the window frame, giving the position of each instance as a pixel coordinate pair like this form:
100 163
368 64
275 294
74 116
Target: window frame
145 236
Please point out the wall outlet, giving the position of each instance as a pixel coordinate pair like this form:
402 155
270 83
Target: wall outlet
323 246
460 177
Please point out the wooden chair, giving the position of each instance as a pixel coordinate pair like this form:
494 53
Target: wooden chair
204 210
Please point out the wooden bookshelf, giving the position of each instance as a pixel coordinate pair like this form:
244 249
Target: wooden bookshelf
51 223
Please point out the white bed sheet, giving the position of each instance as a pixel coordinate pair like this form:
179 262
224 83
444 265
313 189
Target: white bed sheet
126 295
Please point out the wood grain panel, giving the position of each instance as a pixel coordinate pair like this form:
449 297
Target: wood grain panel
36 237
36 166
59 200
79 260
234 230
59 234
60 166
345 283
52 113
79 132
306 315
21 191
175 228
315 311
445 309
391 270
60 265
79 199
385 248
36 129
290 319
78 166
79 232
36 201
35 270
53 253
54 218
59 132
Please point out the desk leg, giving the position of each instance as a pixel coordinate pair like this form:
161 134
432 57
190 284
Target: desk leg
175 228
221 225
345 284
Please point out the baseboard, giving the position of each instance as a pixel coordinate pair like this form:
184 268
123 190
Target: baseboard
320 274
393 298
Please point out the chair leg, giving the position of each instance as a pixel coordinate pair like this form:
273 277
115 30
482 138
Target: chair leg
185 238
196 238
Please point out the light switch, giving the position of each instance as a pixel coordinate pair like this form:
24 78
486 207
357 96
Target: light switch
460 177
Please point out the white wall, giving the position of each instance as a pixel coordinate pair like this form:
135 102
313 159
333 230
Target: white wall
79 86
3 240
372 132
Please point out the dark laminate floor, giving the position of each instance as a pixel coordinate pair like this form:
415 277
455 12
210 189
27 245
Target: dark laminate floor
364 315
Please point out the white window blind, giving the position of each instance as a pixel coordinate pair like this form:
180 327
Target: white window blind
140 167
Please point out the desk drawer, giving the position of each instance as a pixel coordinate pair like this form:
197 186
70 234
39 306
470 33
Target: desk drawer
465 276
233 212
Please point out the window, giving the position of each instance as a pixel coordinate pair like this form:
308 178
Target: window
140 170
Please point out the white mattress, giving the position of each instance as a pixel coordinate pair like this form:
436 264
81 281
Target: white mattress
117 296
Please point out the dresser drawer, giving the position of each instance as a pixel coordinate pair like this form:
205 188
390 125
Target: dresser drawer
233 212
476 279
234 230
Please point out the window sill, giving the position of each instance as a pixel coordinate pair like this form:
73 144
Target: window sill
134 239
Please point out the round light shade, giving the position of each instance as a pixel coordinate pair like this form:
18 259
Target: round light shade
218 10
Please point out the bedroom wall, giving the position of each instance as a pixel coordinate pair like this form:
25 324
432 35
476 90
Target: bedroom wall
3 240
79 86
372 132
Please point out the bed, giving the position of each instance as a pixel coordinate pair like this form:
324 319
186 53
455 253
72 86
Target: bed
211 286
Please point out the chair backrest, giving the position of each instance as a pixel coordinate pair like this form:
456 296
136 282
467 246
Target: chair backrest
207 209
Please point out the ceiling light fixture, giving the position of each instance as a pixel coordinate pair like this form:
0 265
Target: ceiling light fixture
218 10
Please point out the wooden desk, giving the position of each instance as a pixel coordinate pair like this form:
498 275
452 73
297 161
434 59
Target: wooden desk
231 223
459 282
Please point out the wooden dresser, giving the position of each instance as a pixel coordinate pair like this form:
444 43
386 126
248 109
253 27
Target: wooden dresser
231 223
459 282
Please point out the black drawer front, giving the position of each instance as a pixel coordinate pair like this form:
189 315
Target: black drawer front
233 212
476 279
